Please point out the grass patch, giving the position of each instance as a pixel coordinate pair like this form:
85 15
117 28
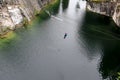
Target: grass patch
6 39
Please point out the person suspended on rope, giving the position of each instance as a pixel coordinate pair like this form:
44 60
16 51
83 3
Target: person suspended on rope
65 35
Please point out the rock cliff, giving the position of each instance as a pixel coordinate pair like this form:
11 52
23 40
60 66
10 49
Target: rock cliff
108 8
15 12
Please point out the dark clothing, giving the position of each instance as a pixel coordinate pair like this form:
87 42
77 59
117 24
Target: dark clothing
65 35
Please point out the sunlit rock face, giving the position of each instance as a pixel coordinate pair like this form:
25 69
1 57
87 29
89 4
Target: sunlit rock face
108 8
14 12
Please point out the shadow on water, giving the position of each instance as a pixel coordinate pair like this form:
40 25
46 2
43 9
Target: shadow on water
65 4
99 38
110 61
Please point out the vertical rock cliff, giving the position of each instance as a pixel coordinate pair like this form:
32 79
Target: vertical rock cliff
15 12
109 8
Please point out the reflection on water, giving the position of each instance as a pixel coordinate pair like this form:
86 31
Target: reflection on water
65 4
100 39
110 65
90 49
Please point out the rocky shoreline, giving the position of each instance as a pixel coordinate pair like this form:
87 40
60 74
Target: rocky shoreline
107 8
16 13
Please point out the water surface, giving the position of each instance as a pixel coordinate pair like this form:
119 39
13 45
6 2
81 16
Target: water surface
41 52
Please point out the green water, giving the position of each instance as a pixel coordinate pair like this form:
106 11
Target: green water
40 52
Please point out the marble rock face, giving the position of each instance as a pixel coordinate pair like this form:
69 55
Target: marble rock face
14 12
111 9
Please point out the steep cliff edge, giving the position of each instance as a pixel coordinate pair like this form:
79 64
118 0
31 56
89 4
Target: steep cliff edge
16 12
108 8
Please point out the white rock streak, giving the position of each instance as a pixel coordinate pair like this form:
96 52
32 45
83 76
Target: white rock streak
15 15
